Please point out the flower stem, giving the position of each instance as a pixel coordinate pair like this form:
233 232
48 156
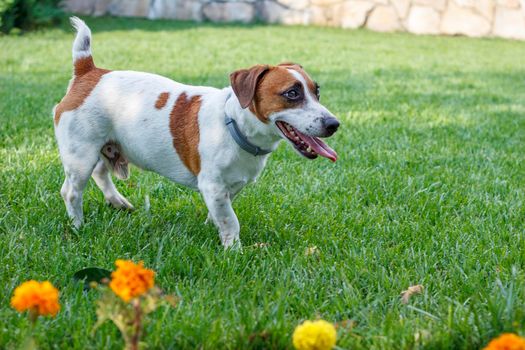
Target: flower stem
33 316
137 325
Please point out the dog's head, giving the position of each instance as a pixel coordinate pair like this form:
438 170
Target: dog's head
286 99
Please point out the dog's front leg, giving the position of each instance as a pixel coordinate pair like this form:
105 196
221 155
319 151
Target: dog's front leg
233 193
218 201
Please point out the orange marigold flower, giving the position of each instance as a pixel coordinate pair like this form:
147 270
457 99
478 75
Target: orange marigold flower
40 298
131 280
506 341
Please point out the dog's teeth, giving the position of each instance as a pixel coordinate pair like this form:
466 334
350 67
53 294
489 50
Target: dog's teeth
309 149
302 142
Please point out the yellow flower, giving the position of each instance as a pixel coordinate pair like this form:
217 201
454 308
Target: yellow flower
316 335
131 280
40 298
506 341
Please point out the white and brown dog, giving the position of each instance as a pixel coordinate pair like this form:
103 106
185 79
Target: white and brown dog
213 140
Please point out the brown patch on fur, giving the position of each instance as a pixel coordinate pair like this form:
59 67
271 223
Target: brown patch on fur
267 99
259 87
83 83
244 83
298 68
290 64
184 128
83 65
162 100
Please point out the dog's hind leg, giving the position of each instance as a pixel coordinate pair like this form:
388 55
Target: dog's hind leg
102 178
78 170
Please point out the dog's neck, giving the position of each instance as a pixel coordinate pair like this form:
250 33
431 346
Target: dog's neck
260 134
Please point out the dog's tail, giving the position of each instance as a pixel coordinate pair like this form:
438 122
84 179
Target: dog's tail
82 59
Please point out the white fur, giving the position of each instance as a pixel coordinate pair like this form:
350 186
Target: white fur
121 108
83 33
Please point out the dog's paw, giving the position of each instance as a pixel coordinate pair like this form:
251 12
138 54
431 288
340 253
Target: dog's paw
120 202
236 246
231 243
77 222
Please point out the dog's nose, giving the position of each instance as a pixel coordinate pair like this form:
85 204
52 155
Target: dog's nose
331 125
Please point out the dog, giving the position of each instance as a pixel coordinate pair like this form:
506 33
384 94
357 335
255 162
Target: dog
213 140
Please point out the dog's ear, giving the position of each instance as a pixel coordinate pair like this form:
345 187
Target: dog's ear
244 83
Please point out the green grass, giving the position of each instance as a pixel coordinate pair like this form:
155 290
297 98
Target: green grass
428 189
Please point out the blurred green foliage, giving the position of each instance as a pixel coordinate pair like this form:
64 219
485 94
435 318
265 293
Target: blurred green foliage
28 14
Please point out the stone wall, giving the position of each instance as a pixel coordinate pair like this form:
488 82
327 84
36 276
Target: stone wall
477 18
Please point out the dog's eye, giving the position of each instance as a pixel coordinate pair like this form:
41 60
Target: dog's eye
292 94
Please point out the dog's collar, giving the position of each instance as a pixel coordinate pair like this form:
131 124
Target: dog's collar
241 140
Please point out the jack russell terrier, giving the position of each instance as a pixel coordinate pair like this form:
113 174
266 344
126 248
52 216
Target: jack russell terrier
213 140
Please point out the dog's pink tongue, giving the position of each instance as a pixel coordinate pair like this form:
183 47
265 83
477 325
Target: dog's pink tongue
320 147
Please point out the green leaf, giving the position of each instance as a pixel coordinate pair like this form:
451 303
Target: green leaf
91 274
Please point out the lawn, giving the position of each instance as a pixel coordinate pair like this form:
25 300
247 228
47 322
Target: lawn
428 189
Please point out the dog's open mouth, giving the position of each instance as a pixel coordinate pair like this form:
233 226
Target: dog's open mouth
309 146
